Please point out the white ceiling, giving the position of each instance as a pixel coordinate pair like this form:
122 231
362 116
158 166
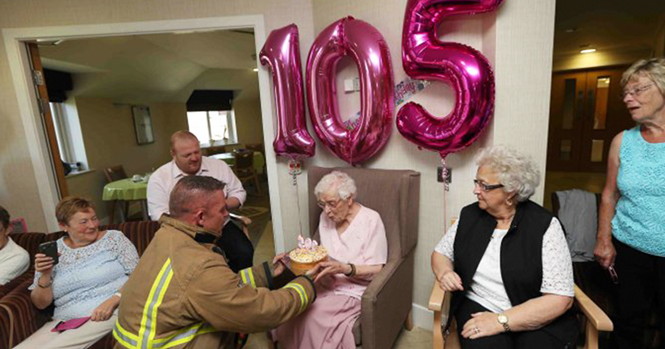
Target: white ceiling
612 26
167 67
157 67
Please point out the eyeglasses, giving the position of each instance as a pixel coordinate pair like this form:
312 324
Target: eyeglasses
331 204
613 274
486 187
636 92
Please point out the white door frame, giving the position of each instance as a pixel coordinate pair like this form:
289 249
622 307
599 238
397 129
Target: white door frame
19 64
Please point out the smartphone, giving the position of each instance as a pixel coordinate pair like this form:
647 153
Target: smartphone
50 249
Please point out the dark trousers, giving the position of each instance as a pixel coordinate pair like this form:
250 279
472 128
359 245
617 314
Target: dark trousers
640 289
237 247
505 340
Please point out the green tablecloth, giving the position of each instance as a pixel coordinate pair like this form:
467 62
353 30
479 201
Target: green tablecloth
125 189
259 160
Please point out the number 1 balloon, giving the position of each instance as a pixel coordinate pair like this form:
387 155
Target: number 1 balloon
281 52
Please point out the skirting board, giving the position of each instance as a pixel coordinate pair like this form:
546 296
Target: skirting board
422 317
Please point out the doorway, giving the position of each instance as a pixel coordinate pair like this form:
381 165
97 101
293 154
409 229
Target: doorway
16 40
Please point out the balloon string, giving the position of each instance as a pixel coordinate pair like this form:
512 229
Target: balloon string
446 188
295 182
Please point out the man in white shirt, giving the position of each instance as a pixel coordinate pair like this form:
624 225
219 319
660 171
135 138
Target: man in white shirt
187 161
14 260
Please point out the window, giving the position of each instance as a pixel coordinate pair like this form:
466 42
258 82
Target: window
213 127
68 135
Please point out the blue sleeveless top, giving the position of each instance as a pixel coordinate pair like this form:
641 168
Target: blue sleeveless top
639 221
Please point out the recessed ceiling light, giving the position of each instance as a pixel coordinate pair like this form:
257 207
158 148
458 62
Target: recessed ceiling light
588 50
255 69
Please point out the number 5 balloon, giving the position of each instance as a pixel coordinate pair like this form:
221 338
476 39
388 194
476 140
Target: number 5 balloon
281 52
365 45
465 69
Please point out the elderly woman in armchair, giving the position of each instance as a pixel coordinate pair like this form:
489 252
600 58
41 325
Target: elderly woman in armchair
85 284
355 238
507 262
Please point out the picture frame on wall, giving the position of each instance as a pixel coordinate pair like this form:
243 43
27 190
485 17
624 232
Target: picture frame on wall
143 124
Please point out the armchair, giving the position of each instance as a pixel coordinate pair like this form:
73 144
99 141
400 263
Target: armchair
386 303
593 318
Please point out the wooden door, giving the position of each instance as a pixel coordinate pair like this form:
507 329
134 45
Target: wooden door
566 117
46 119
586 112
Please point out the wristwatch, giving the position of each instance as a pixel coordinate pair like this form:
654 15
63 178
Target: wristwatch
503 320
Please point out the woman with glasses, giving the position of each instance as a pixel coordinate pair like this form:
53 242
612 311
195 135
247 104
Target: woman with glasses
355 238
631 224
507 262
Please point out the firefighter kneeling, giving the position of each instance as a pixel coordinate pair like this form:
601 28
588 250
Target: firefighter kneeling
182 294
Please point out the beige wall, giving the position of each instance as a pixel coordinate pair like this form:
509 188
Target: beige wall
109 138
517 40
248 121
18 187
598 59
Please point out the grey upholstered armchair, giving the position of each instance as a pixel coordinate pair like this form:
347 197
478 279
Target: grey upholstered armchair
395 195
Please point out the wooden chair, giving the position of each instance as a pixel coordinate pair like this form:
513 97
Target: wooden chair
592 317
115 173
112 174
244 168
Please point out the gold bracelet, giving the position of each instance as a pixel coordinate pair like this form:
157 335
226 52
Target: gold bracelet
47 286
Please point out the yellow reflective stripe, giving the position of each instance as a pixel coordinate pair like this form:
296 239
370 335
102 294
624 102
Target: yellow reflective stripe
189 338
301 292
162 292
251 277
247 276
243 275
126 339
179 332
149 301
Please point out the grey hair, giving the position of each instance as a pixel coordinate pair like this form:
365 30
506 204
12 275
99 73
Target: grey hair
518 173
339 181
653 68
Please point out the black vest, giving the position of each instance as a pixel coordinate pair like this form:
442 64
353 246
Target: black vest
521 258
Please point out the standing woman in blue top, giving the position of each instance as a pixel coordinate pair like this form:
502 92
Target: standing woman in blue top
631 228
93 266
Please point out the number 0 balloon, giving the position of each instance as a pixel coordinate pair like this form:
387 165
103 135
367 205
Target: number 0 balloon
465 69
365 45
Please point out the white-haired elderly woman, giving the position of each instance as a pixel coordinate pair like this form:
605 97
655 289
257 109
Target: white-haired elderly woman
355 238
507 262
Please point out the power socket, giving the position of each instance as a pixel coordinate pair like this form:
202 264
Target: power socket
439 174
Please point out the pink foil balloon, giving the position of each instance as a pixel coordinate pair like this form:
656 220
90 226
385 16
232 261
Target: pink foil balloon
365 45
281 52
424 56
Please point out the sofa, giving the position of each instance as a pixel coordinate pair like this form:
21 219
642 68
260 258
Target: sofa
18 317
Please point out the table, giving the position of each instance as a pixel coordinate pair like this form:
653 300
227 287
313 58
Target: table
127 190
229 158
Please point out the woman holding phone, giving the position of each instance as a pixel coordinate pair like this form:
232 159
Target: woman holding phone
85 283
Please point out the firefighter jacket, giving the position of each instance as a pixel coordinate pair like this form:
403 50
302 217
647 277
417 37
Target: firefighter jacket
182 294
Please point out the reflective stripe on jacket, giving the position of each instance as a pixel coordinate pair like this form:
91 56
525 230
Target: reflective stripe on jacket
183 295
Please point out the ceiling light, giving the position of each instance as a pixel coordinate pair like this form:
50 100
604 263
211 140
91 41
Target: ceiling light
255 69
588 50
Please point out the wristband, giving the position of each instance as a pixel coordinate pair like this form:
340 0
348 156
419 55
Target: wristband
353 270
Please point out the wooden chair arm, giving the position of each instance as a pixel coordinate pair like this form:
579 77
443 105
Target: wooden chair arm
436 298
594 314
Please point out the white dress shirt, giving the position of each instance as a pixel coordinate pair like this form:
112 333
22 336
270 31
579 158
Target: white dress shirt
14 261
165 178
